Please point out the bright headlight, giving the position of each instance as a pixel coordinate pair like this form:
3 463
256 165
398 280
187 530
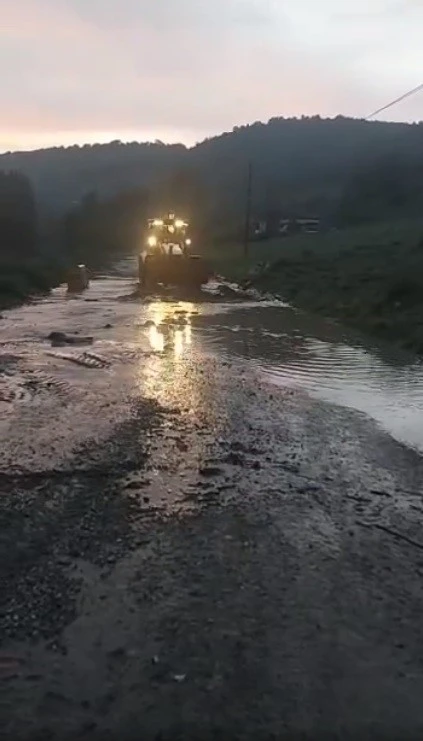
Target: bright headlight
152 241
188 242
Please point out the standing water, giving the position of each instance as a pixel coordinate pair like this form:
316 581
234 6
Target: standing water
299 351
288 349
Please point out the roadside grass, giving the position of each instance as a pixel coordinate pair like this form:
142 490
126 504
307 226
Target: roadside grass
21 280
370 277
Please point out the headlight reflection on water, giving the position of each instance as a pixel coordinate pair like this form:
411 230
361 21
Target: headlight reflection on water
175 375
156 339
168 377
171 331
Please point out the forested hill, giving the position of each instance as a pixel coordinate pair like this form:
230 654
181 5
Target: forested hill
304 164
63 175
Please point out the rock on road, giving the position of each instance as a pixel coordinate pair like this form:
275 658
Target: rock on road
187 552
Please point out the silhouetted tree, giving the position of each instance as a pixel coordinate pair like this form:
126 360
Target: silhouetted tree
96 230
18 218
295 161
382 189
185 192
302 166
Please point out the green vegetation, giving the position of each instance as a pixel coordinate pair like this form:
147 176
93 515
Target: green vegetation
370 277
89 204
23 271
20 281
34 256
300 165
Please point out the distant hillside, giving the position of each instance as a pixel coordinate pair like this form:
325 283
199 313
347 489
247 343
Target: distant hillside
299 164
304 164
63 175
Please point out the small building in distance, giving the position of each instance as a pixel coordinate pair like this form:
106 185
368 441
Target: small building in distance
271 227
308 226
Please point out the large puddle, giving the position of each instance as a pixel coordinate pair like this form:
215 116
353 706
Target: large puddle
293 349
288 348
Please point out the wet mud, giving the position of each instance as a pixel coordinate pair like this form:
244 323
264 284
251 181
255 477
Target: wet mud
209 533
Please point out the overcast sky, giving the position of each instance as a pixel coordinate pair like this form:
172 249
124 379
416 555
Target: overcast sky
95 70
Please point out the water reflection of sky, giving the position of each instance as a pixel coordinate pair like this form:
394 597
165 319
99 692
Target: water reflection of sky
348 376
330 364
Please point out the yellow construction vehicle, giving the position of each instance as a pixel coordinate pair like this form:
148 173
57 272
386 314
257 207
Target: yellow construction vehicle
167 258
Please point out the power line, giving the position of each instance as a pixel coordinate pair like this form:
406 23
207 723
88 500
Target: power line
397 100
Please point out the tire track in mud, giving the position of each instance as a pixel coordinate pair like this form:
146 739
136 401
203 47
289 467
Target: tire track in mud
85 359
13 390
28 386
23 385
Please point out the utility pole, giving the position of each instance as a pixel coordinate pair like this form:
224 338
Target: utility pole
248 209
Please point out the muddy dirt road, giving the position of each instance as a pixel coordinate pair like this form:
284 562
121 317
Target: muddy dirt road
211 524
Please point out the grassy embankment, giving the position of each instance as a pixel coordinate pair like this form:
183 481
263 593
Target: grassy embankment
369 277
20 281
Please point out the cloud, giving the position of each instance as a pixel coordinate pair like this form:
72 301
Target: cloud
79 66
168 16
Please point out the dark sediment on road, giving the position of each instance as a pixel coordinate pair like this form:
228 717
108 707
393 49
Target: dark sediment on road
49 519
264 603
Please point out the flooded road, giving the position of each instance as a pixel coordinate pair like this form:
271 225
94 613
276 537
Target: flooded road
210 521
302 352
285 347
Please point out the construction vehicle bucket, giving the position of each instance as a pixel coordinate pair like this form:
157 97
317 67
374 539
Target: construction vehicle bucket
178 270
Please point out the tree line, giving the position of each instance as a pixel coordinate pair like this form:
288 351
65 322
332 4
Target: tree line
343 171
18 217
299 163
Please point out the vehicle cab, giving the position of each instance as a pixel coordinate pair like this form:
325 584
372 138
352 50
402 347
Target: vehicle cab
168 235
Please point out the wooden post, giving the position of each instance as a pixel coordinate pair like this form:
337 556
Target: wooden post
248 209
